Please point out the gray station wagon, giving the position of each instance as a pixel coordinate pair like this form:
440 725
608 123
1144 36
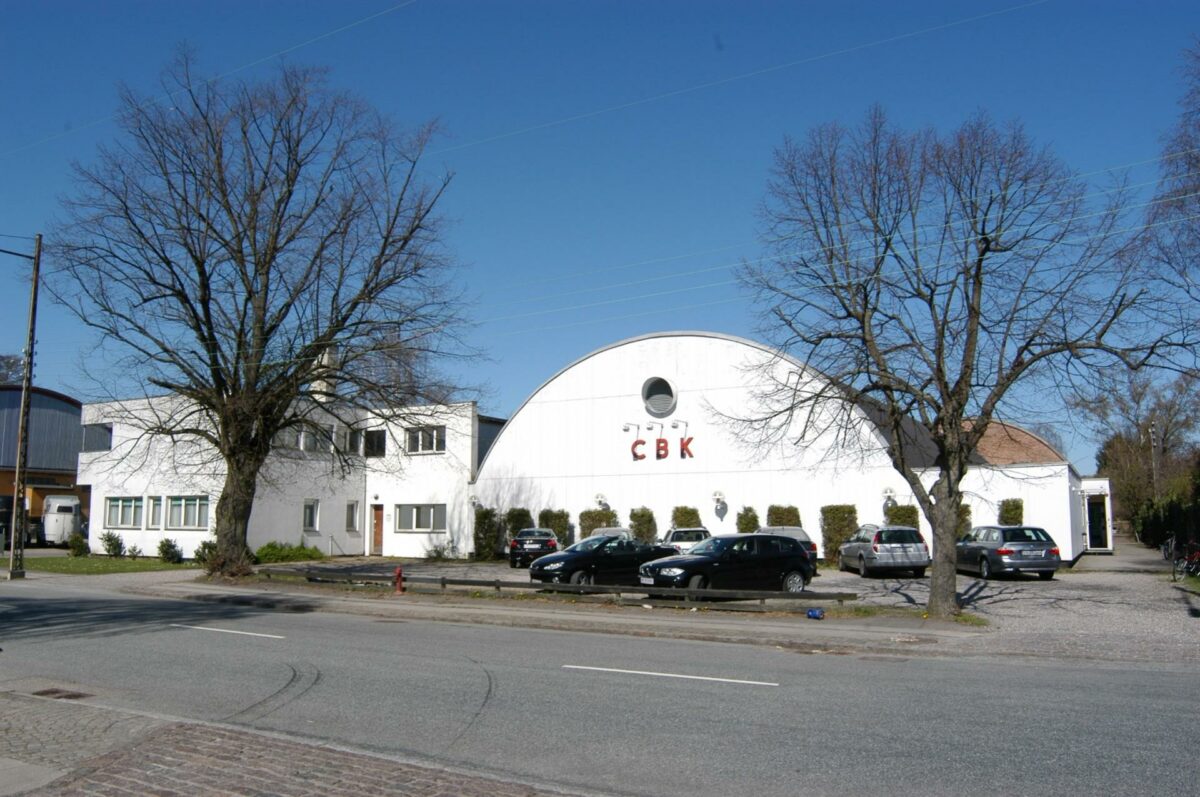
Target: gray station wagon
875 549
988 550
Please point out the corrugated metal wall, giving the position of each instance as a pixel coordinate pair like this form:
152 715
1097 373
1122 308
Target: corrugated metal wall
55 434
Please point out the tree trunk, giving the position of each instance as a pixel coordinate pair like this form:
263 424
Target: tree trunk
233 517
943 581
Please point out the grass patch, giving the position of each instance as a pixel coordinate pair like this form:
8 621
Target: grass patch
863 611
99 565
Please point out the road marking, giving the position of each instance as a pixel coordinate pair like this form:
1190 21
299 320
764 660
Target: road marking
670 675
226 631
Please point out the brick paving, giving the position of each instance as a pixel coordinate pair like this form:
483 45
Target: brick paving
111 753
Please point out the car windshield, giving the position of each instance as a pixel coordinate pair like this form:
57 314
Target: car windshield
1026 535
691 535
712 545
898 536
535 534
591 543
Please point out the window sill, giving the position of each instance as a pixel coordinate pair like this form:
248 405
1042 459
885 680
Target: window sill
420 531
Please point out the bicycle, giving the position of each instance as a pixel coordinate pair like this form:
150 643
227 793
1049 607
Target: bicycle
1186 563
1168 547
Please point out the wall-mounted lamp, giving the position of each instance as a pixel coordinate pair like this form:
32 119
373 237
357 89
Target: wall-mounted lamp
601 501
375 497
625 427
677 424
654 423
718 497
474 500
889 501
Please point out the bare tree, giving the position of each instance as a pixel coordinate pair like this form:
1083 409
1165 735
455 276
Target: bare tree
926 277
12 368
256 251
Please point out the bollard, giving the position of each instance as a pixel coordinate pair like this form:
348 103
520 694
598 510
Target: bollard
398 580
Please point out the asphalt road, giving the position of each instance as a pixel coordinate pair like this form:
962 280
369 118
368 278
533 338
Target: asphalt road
617 715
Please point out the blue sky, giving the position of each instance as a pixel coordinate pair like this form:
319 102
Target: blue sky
609 157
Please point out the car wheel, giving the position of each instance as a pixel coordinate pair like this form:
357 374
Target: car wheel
793 582
985 569
580 577
1046 575
863 570
696 582
919 572
841 563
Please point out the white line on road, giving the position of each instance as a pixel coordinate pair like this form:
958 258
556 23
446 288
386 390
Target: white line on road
225 631
671 675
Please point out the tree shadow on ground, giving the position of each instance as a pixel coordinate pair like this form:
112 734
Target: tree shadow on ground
36 618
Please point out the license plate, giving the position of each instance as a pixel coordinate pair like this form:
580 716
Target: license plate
531 545
1034 554
645 579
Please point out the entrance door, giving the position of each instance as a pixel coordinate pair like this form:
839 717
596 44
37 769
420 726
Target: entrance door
1097 523
376 529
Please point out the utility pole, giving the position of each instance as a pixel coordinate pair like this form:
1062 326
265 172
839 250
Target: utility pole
16 552
1154 458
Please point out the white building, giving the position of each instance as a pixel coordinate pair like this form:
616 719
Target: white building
645 422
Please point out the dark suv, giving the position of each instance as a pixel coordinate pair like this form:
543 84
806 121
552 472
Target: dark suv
735 561
529 544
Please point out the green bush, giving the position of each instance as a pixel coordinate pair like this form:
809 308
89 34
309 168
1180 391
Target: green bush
901 515
1012 512
516 519
169 552
205 552
783 516
284 552
685 517
112 543
77 545
747 520
838 524
488 534
558 521
592 519
641 522
964 520
134 552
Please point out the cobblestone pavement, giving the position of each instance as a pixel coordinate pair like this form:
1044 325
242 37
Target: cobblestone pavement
109 752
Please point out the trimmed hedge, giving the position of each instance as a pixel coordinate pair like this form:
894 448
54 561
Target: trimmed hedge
747 520
1012 512
902 515
516 519
964 520
641 522
558 521
685 517
284 552
778 515
489 533
592 519
838 524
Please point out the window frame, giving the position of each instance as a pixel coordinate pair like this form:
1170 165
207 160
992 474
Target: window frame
135 504
352 518
315 505
199 504
379 435
428 439
411 514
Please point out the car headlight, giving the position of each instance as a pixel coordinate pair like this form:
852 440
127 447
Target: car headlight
553 566
671 571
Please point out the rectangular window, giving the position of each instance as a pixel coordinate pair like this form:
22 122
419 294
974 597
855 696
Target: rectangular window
97 437
375 443
311 513
154 513
286 438
123 513
352 516
187 512
354 443
420 517
426 439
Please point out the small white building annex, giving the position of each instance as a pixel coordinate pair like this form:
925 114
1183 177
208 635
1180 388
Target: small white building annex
644 422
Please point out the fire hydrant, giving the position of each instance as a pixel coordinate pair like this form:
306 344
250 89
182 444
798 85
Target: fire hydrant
398 580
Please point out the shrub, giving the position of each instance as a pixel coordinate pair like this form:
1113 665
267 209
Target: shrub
134 552
488 533
964 520
112 543
838 524
641 522
592 519
747 520
558 521
685 517
901 515
516 519
205 552
169 552
438 552
1012 512
77 545
284 552
783 516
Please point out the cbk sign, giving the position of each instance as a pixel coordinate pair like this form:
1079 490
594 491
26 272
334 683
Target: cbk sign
662 448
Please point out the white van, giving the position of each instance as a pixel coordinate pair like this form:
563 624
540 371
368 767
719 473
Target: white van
61 517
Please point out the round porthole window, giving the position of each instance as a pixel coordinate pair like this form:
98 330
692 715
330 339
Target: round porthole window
659 397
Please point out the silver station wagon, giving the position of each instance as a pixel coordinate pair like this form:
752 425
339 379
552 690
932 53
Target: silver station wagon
989 550
877 549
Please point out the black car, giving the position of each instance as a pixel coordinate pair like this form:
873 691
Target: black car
529 544
599 559
735 561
